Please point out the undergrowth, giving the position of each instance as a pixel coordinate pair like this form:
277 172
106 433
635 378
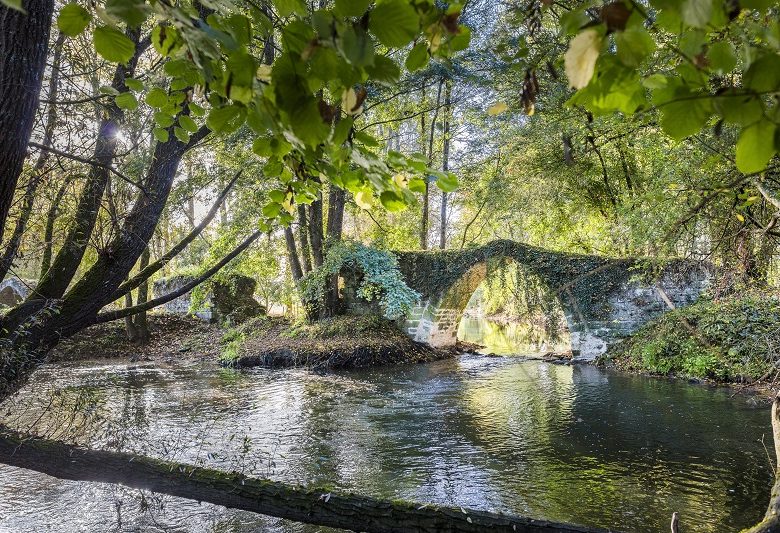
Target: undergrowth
730 340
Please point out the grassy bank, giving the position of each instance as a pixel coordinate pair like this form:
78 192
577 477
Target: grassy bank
338 342
732 340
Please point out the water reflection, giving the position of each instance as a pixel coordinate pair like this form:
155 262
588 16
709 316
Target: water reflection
510 338
558 442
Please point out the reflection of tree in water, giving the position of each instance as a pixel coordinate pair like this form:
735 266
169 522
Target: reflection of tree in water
618 446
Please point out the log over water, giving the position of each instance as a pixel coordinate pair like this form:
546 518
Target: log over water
231 489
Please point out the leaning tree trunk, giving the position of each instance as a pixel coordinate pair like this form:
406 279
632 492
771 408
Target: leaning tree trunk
236 491
35 326
445 163
66 263
24 43
28 200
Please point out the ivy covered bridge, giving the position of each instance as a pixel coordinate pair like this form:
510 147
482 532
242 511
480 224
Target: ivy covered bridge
603 299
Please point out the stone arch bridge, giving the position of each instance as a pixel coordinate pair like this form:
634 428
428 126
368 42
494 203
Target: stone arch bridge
603 299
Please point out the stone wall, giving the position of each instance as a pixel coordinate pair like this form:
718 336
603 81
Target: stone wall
230 301
602 299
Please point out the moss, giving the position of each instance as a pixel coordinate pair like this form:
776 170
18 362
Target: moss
338 342
730 340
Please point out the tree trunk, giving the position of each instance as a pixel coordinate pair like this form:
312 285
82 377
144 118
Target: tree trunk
24 44
35 326
771 521
445 162
336 201
426 193
141 324
58 277
292 255
236 491
315 230
28 201
130 329
303 236
51 218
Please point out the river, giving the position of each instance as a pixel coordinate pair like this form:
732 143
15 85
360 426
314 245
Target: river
566 443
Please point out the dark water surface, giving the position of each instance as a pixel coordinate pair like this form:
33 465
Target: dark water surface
567 443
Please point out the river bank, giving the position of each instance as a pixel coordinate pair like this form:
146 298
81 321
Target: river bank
732 341
342 342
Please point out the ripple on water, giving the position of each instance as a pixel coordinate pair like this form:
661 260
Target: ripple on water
569 443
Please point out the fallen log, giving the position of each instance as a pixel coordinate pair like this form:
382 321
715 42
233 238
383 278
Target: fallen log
233 490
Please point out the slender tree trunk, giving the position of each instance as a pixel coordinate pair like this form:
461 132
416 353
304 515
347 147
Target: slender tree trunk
28 201
315 230
336 202
445 162
51 218
292 255
130 329
141 323
24 44
58 277
303 236
426 194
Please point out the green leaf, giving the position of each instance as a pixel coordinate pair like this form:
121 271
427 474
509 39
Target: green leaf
164 120
696 13
131 12
722 57
417 185
161 134
447 182
288 7
196 110
187 123
13 4
113 45
761 5
357 47
764 74
681 119
755 147
126 101
384 71
739 109
241 74
461 40
351 8
394 22
181 134
157 97
225 119
134 84
634 45
72 20
271 210
165 40
418 57
277 195
392 201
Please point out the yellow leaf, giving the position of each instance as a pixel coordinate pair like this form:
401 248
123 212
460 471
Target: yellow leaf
400 180
264 73
497 109
349 102
364 200
740 217
288 204
580 58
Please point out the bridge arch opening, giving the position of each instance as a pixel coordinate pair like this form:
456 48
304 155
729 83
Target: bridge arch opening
512 311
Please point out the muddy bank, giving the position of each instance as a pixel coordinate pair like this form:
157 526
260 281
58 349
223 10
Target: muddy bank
337 343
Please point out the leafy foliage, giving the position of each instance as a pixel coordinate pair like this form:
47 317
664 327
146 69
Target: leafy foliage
734 339
381 279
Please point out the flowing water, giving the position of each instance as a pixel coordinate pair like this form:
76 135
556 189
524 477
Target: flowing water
566 443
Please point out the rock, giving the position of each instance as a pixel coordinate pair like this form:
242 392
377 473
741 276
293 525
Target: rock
229 301
13 290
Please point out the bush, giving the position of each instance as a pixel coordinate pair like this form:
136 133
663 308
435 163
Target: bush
734 339
382 280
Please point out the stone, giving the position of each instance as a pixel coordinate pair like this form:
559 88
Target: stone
13 290
229 301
